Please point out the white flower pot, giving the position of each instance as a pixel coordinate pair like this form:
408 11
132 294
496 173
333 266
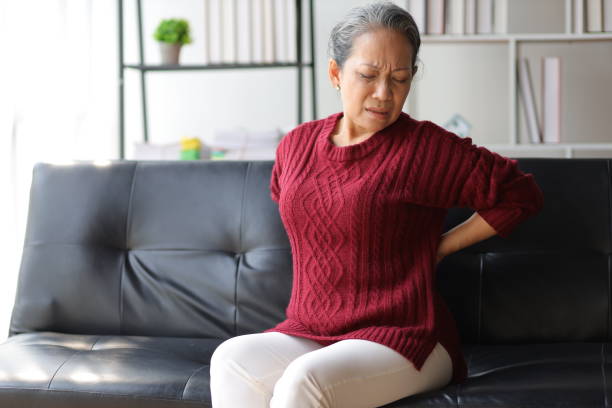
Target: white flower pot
170 53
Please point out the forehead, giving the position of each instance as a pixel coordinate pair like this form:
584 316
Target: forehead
382 48
377 66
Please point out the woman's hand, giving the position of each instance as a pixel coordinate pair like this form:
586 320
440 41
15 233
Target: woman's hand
446 246
439 256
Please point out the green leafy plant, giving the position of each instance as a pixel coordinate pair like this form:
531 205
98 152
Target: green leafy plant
173 30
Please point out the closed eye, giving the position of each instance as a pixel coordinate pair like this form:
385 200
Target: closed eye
371 76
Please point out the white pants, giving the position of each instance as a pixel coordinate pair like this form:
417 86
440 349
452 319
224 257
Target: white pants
276 370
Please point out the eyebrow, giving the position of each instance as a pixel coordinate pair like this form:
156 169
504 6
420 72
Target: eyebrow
374 66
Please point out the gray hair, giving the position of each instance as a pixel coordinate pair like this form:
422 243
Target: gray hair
359 20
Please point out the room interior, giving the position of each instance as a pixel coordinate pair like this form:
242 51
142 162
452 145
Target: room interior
87 81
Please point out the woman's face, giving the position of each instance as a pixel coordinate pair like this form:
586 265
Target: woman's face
377 76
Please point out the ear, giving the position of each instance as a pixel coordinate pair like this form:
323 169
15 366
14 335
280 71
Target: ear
333 70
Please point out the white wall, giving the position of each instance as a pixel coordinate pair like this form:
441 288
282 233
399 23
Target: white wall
195 103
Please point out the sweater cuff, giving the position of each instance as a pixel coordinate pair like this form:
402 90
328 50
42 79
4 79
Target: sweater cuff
503 220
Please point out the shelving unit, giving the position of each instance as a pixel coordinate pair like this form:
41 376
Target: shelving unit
144 68
518 45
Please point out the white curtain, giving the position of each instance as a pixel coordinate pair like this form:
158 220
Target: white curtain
58 102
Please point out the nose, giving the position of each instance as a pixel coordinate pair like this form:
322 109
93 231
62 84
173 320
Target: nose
383 90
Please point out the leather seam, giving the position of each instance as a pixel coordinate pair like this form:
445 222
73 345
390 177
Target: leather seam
603 373
130 396
190 377
138 348
94 343
480 279
122 267
61 365
126 249
240 249
609 241
458 403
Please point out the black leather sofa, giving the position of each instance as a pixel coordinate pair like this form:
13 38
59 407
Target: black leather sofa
133 272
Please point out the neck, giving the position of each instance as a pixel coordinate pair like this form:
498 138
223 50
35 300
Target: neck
346 136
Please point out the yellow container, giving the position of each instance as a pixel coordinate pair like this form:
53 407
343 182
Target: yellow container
190 143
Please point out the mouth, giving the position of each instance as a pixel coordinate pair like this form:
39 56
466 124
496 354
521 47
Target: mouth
378 112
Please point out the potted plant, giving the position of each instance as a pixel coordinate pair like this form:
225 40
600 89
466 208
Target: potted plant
172 34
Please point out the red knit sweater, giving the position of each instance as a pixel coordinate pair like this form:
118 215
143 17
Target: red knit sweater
364 223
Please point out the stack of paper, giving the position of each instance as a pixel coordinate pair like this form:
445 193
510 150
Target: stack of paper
168 151
243 144
157 151
236 143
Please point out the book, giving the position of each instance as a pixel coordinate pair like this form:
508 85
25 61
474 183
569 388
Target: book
269 32
551 99
579 16
215 16
291 31
455 17
500 16
257 33
607 16
229 32
206 32
470 16
243 30
484 16
528 102
594 16
280 20
417 9
435 17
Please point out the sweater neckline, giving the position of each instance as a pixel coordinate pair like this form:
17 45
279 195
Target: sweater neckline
349 152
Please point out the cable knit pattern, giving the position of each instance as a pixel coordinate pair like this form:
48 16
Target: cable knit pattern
364 222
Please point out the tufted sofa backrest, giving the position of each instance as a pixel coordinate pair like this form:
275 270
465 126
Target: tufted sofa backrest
550 280
181 248
197 248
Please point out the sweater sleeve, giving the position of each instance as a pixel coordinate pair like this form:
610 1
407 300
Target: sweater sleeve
492 185
277 170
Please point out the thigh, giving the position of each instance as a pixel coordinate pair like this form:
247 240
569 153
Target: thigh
358 373
261 357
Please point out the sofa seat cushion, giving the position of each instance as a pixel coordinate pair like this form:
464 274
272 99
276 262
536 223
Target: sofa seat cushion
70 370
542 375
108 370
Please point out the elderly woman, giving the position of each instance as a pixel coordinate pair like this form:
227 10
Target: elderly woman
363 195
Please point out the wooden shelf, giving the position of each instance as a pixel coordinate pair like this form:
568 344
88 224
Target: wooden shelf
568 150
515 37
551 146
